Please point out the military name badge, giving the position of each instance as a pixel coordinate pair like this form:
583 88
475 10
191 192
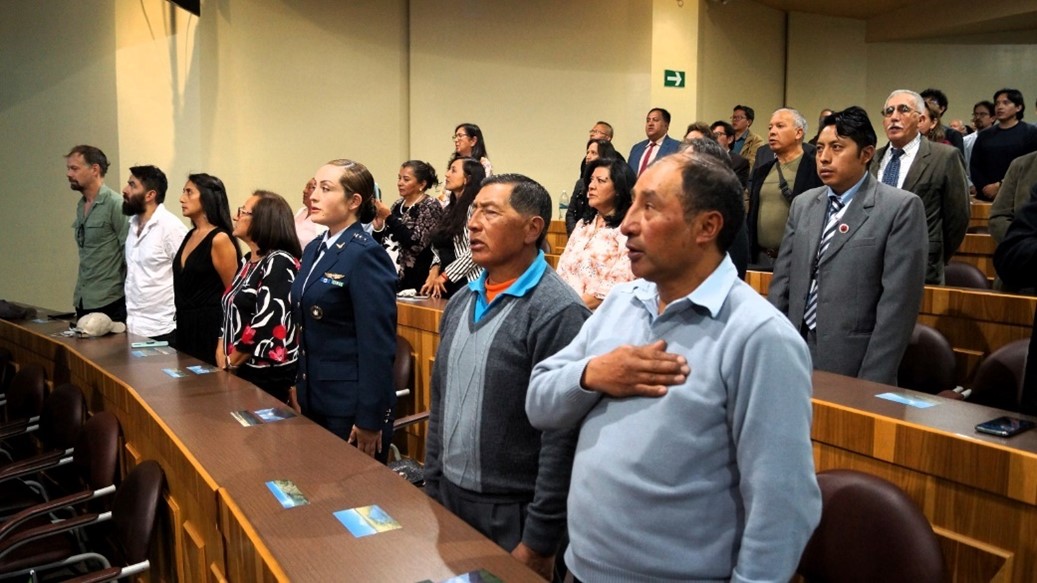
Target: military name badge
317 312
334 279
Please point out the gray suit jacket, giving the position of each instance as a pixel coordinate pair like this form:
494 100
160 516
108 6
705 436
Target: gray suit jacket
937 176
1014 193
870 280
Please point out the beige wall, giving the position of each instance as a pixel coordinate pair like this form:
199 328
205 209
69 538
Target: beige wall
238 93
57 89
534 75
827 65
741 60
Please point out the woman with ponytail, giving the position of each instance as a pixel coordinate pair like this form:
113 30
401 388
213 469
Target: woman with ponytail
345 302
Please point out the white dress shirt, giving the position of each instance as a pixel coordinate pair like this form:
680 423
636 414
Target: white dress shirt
910 150
150 310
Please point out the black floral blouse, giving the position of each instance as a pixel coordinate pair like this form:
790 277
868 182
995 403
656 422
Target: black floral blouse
257 312
406 237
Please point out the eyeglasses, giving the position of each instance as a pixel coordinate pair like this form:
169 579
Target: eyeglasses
81 235
242 211
903 108
459 136
738 117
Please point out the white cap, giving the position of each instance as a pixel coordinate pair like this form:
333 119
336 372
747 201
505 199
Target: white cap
98 324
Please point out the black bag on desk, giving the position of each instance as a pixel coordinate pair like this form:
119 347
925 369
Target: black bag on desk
9 311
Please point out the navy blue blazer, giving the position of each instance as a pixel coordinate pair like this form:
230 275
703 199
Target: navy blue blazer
347 313
669 146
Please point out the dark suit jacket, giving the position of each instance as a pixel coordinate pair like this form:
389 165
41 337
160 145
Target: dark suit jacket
669 146
347 314
1016 262
870 281
806 178
741 167
937 176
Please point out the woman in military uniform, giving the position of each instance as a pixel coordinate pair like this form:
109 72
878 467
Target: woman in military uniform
345 301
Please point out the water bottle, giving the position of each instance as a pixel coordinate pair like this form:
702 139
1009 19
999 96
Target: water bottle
563 204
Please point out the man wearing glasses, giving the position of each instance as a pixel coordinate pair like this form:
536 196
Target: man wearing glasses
100 233
746 143
934 172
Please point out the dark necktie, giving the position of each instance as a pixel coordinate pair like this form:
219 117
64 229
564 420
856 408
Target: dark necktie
320 253
834 206
892 174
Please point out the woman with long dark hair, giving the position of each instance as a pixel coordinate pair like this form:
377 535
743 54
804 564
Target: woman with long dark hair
595 258
345 304
596 148
260 340
405 229
204 266
452 266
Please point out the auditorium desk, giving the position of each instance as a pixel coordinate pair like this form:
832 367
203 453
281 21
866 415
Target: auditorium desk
222 523
980 492
975 322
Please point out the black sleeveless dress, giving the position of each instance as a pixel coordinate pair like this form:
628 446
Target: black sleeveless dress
198 290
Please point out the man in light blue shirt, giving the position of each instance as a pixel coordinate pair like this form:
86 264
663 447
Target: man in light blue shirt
692 398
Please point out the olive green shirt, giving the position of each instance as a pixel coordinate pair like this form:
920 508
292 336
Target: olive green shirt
101 239
774 209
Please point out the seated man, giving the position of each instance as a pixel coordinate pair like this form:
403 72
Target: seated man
484 461
692 399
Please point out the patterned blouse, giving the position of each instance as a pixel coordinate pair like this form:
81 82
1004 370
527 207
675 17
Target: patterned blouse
595 258
257 313
406 237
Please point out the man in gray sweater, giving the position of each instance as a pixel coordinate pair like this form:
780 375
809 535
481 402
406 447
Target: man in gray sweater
484 461
692 397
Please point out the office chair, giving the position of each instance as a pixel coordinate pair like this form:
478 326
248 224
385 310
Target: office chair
958 274
999 378
928 363
121 551
869 531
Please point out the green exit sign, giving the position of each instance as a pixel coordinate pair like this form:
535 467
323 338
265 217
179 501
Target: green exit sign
673 78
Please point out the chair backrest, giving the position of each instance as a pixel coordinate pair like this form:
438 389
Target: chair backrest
928 364
96 457
26 393
62 418
999 378
6 369
958 274
135 510
870 531
403 365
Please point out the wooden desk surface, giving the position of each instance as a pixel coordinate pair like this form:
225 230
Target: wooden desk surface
223 522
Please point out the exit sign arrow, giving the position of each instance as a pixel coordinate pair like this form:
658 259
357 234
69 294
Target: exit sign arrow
673 78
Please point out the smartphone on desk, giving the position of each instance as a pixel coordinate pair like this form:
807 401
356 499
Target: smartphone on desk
1005 426
149 344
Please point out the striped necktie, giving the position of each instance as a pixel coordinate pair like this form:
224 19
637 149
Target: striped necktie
835 213
891 176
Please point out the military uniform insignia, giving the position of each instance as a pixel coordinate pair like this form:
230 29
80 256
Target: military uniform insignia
317 312
335 276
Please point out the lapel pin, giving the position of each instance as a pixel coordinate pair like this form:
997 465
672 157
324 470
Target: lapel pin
339 245
844 228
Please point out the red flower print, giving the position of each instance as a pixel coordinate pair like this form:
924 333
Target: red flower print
277 354
280 332
247 335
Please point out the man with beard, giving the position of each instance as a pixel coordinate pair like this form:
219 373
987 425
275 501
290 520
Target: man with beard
154 238
100 233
